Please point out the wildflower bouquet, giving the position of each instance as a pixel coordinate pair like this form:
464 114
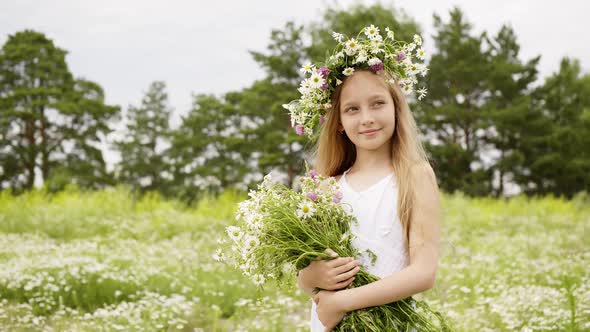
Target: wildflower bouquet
282 230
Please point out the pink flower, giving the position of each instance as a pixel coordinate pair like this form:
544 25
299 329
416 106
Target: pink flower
324 71
337 197
313 173
299 130
313 196
401 56
377 67
324 86
322 120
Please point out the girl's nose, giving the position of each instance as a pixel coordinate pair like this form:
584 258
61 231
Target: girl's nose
366 117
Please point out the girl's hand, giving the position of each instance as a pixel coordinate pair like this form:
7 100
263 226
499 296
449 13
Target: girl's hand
329 309
333 274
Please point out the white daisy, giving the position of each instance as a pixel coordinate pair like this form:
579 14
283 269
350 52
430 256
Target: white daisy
377 41
390 33
337 36
348 71
420 53
352 46
361 57
413 68
371 31
307 68
218 255
251 242
305 210
316 80
417 40
234 232
407 89
421 93
410 47
258 279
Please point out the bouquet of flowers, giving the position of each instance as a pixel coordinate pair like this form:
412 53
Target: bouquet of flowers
282 231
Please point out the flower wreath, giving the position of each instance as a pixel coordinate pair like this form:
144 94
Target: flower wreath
368 50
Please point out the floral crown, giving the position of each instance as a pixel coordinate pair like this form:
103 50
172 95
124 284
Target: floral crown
368 50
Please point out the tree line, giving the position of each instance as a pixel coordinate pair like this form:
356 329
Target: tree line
487 122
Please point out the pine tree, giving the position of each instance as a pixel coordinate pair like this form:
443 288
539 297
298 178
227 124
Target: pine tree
143 165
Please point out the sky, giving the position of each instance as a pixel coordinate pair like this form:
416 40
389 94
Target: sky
198 46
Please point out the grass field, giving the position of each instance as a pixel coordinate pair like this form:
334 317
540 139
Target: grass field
102 261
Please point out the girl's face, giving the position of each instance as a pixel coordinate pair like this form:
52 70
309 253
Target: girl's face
367 111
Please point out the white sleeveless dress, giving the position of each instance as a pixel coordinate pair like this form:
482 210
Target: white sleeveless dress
379 230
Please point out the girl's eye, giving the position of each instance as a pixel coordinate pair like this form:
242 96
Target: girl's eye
351 109
378 103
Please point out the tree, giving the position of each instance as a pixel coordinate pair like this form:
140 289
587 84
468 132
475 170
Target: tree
508 104
452 116
143 165
203 155
88 123
557 159
39 100
351 20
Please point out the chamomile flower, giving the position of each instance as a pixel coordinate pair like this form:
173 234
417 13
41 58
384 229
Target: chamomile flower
361 57
413 68
305 209
307 68
251 242
390 33
371 31
218 255
234 232
316 80
352 46
376 42
348 71
420 53
258 279
421 93
417 40
337 36
407 89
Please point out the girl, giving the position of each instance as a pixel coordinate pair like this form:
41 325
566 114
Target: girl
369 141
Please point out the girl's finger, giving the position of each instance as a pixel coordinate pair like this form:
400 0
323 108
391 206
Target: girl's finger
331 252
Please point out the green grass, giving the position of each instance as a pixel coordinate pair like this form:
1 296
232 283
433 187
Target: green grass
103 261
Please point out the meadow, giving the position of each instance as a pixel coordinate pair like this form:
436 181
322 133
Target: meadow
104 261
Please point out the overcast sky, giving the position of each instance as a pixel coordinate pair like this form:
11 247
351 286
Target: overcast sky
202 46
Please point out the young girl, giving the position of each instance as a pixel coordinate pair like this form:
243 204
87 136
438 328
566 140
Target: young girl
369 142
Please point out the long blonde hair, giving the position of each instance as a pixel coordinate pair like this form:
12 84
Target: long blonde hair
334 153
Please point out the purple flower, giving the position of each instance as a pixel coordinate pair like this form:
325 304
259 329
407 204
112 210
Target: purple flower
313 196
313 173
324 86
322 120
337 197
401 56
377 67
299 130
324 71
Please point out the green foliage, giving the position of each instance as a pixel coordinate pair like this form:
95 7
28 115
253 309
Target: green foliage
142 150
49 121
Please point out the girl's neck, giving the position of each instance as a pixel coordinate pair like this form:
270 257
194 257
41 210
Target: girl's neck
373 161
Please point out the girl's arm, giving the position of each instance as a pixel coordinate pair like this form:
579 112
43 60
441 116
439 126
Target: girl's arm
420 274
